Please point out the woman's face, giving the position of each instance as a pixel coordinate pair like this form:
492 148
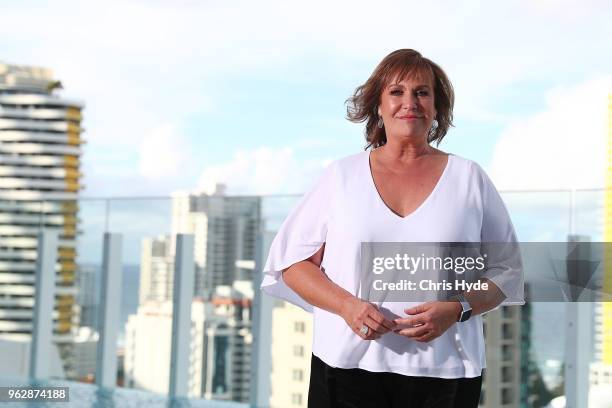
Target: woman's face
407 108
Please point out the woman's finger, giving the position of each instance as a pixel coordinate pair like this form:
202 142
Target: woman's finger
426 338
380 318
415 332
411 321
375 326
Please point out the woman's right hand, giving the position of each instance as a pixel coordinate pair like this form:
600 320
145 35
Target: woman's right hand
357 313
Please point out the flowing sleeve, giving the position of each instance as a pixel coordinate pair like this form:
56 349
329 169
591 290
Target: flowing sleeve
499 242
300 236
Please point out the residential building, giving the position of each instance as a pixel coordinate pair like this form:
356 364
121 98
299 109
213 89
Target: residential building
40 177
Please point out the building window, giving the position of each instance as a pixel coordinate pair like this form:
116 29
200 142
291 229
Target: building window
296 398
507 352
507 332
507 374
506 396
298 375
299 327
298 351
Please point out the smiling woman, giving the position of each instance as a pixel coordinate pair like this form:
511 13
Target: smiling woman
425 78
394 354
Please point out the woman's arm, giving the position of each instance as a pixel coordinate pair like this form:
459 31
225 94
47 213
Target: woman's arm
482 301
313 285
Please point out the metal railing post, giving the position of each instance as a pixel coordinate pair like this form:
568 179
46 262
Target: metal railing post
42 325
108 316
261 356
182 298
578 337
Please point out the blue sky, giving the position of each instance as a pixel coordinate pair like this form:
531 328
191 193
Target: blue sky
180 94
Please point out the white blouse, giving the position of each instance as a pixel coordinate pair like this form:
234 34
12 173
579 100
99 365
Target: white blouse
345 209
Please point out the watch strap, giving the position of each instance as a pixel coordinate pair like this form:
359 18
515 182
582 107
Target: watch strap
466 311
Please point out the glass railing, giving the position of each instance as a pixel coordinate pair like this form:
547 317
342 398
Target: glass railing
231 236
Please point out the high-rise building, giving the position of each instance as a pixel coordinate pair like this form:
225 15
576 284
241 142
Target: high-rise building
40 149
219 361
156 269
291 355
502 380
225 230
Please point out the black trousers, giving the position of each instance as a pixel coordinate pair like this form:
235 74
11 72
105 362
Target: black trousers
356 388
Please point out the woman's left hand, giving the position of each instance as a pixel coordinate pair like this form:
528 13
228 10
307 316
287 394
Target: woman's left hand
428 321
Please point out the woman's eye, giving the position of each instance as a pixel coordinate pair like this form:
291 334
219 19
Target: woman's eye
396 92
422 93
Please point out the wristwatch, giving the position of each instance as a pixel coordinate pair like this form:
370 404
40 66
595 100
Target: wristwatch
465 305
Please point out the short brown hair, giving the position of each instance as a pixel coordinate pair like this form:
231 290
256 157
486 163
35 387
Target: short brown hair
363 105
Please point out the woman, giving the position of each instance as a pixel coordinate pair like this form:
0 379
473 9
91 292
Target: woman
396 354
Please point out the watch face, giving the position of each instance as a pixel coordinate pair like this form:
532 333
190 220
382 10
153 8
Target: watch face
465 315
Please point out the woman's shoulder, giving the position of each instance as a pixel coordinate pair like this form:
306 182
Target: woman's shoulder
468 171
463 164
352 160
347 165
471 172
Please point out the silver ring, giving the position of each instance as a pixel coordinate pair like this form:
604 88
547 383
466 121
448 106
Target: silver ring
364 330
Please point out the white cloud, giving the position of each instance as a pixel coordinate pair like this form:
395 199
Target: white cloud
264 171
164 154
562 147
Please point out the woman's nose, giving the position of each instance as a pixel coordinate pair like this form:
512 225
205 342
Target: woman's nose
410 102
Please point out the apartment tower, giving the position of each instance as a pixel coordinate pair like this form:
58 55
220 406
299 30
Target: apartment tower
40 149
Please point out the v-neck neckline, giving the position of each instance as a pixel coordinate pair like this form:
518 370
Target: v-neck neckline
423 203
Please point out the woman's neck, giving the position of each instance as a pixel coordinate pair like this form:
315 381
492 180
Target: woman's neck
405 152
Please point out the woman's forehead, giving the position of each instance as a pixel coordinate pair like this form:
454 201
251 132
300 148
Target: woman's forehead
421 75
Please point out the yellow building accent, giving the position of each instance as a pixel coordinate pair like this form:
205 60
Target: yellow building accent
64 305
607 280
67 252
70 219
72 186
73 128
69 207
73 113
71 161
72 174
65 300
63 326
69 231
67 266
